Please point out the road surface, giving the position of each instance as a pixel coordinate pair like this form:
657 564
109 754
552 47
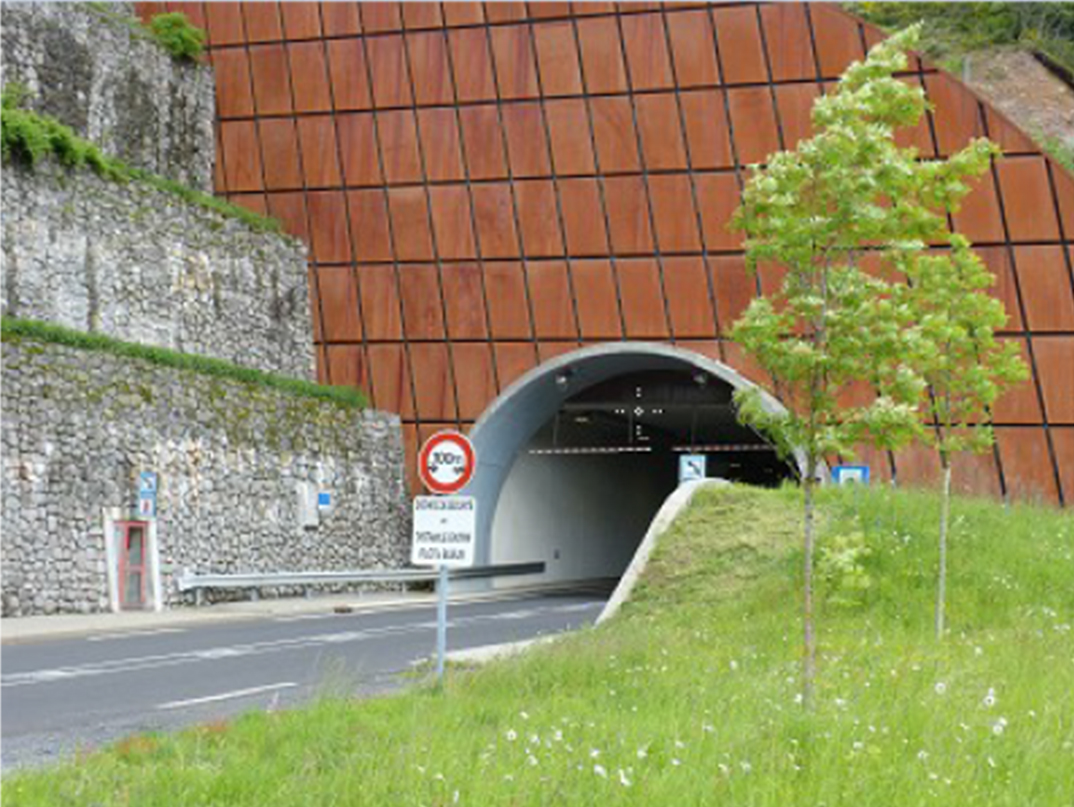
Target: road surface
65 694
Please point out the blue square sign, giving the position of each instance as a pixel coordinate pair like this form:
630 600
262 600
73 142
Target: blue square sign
324 500
850 474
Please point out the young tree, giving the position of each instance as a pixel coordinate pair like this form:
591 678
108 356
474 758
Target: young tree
844 194
956 352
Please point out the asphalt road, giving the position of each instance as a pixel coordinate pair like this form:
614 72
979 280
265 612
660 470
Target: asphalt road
65 694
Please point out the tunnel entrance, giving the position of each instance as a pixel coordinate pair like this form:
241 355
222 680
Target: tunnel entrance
575 459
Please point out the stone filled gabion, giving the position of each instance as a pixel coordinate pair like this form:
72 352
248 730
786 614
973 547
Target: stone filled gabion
86 67
78 426
144 265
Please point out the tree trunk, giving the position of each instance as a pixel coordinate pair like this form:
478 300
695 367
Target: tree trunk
809 661
945 506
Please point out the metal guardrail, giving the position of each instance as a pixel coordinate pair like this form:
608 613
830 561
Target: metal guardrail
255 580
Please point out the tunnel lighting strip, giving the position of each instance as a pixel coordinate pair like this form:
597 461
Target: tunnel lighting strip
594 450
718 447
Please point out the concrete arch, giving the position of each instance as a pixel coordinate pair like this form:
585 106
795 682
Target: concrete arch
510 421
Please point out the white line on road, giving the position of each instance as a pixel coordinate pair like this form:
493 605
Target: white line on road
134 633
223 696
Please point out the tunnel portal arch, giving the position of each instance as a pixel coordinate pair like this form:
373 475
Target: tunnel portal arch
511 421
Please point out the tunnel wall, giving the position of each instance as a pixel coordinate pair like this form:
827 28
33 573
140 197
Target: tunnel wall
593 508
487 186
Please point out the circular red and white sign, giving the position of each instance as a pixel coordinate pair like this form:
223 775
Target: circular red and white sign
446 462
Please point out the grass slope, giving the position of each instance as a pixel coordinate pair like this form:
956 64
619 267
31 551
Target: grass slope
689 695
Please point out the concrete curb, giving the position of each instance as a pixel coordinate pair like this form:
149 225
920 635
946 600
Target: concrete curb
668 512
493 652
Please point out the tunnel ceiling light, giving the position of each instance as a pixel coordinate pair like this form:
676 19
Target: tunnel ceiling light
716 448
594 450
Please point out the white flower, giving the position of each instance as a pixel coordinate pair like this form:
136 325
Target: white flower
643 752
940 687
680 744
707 728
599 771
531 759
535 740
989 699
726 771
922 754
999 726
746 767
623 778
511 735
455 797
524 715
734 664
594 753
676 762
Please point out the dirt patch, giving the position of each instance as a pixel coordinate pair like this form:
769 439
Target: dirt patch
1015 83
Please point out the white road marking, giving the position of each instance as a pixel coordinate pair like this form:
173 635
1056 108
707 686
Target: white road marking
124 665
104 637
223 696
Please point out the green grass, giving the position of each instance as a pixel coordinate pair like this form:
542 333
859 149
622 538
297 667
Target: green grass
173 32
12 329
688 697
952 30
27 137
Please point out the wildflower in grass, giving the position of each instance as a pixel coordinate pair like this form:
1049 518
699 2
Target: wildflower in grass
724 769
599 771
535 740
512 735
676 762
746 766
532 760
623 780
643 752
989 699
594 753
922 754
999 726
524 715
680 744
940 687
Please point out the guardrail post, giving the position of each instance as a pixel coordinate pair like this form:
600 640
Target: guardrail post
199 597
255 594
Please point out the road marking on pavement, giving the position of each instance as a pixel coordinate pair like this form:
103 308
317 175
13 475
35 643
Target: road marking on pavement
127 665
224 696
103 637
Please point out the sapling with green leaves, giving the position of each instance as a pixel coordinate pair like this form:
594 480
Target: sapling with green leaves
843 199
954 348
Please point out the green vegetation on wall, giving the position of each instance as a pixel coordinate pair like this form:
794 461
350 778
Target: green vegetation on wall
172 31
175 34
13 329
26 137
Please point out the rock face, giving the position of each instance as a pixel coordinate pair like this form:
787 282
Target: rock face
143 265
79 426
105 78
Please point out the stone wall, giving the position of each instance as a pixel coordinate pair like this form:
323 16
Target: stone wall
78 426
113 85
146 266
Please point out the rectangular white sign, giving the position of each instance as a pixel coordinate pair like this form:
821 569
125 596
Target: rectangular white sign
445 531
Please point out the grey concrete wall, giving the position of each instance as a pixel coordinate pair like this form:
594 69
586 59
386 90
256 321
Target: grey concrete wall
113 86
145 266
593 510
78 427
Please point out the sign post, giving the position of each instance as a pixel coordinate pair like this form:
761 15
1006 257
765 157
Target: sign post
445 525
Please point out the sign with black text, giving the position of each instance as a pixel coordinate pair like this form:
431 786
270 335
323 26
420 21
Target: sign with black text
445 529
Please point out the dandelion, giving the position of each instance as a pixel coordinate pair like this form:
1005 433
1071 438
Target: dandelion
512 735
599 771
940 687
623 778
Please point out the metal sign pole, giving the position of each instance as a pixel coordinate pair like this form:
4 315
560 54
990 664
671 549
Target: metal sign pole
441 622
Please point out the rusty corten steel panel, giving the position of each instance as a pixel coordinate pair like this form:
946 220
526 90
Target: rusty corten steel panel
484 187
